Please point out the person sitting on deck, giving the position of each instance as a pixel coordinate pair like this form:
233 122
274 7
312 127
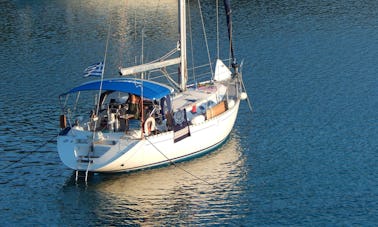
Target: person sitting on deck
134 105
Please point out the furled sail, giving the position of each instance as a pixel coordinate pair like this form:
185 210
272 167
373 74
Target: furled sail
227 7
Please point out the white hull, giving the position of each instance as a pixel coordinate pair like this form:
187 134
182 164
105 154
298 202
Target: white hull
126 154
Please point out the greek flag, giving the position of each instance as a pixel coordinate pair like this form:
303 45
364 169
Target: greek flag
94 70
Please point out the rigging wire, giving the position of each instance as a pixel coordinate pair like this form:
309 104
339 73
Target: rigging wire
217 28
191 43
102 73
99 95
205 37
143 33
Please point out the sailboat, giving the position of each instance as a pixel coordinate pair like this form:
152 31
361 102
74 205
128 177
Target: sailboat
135 123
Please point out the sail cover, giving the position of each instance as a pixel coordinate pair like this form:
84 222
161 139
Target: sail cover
147 89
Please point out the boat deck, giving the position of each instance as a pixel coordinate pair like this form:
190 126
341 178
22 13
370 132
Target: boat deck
199 96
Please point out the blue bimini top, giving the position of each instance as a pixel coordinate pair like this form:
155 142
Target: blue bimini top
144 88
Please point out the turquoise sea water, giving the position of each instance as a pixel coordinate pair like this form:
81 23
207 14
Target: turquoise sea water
306 155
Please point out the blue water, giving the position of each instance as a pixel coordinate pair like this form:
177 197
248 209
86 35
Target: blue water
306 155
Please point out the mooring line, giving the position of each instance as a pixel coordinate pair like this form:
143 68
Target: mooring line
186 171
28 153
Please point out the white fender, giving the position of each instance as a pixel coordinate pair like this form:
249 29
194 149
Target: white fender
243 96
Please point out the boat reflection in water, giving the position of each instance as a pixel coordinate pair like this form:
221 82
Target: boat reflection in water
171 195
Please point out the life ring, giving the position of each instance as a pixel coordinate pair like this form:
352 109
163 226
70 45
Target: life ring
149 125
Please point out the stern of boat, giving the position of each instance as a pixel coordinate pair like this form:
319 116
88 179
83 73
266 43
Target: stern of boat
89 151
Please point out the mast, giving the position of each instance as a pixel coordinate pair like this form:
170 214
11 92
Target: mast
183 62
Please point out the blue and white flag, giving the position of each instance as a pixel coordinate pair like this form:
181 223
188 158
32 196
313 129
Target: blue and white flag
94 70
